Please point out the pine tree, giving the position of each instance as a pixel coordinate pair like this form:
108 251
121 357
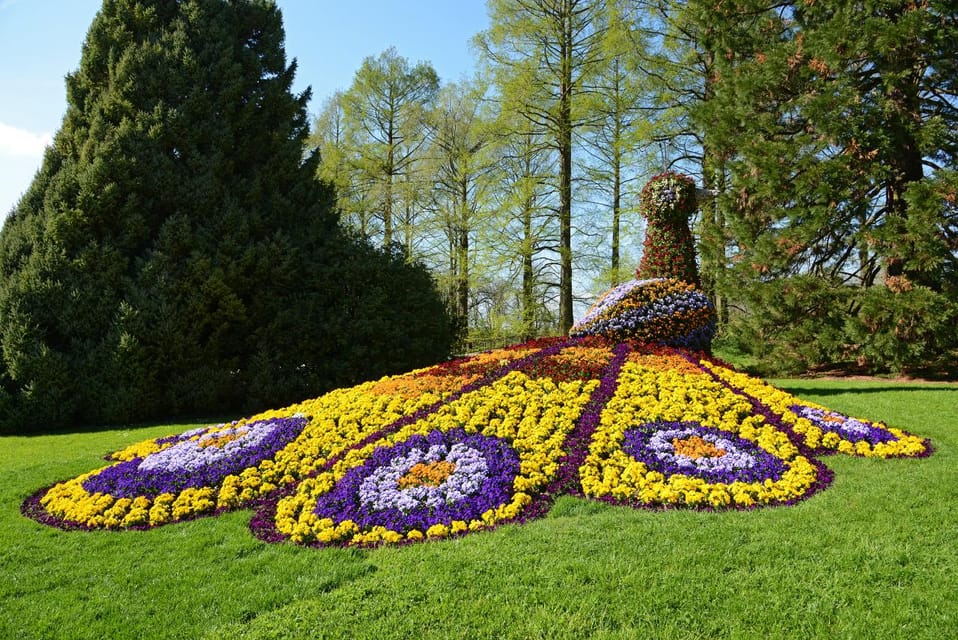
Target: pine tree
838 121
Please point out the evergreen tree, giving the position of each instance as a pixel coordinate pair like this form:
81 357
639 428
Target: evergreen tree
174 250
839 121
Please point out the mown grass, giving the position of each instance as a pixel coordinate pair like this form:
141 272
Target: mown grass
874 556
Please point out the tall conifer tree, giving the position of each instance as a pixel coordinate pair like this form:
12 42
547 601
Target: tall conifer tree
839 121
170 254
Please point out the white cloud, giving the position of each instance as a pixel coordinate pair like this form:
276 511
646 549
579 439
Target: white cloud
21 143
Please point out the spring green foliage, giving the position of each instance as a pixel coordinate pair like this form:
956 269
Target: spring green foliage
463 171
826 128
551 125
616 131
372 139
541 55
872 556
175 253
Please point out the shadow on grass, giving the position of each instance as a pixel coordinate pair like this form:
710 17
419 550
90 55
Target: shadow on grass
173 421
798 390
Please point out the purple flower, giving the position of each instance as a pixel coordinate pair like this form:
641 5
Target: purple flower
735 459
610 299
480 471
200 458
667 313
848 428
180 437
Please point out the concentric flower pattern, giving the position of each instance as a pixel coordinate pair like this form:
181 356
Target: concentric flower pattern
508 436
201 458
690 449
673 436
816 428
424 481
481 441
180 477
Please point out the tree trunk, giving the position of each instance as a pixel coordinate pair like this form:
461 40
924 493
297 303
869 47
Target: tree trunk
528 276
463 305
388 195
565 174
616 215
905 159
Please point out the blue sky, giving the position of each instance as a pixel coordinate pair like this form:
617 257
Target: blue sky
41 41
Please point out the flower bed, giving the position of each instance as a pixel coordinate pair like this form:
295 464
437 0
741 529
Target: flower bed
525 419
674 436
817 428
477 442
179 478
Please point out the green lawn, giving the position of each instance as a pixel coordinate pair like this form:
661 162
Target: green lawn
874 556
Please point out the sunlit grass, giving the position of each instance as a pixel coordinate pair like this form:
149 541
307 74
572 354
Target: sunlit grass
873 556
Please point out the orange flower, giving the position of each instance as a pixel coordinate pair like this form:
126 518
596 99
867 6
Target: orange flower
696 447
430 474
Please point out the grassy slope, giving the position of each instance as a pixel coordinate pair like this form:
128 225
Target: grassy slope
873 556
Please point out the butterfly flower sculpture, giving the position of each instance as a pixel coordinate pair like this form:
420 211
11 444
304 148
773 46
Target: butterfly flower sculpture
630 409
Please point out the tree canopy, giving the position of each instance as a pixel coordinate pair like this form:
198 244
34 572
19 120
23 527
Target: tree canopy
823 134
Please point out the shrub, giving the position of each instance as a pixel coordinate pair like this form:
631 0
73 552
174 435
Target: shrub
903 329
789 325
807 322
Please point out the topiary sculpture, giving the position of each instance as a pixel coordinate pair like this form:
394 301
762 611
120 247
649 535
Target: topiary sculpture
667 203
